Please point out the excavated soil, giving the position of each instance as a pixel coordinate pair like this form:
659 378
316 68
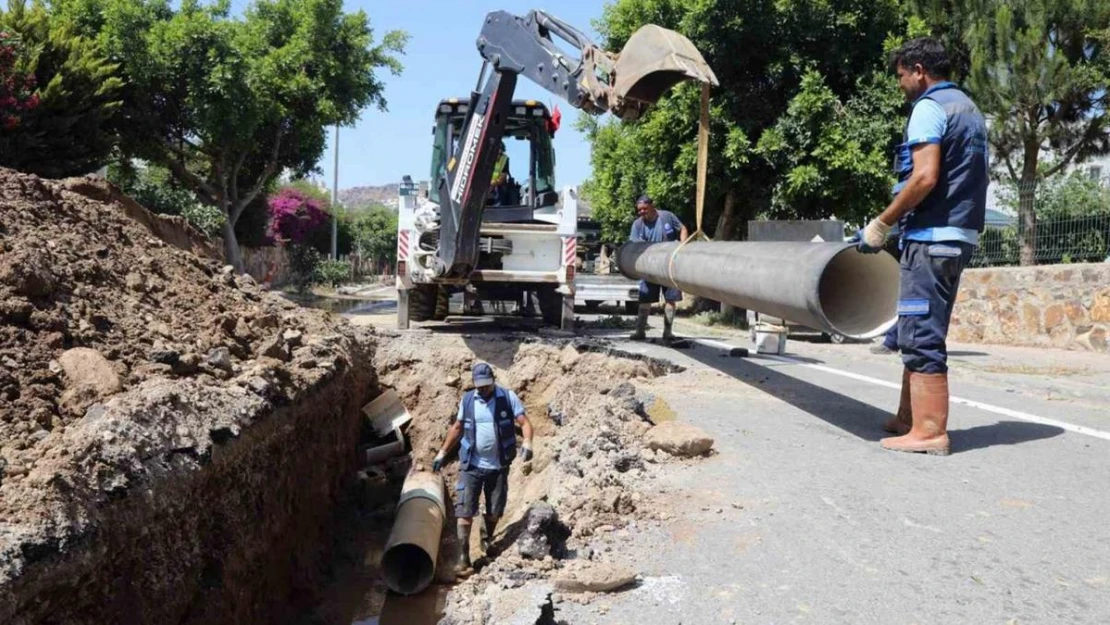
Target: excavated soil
164 423
589 405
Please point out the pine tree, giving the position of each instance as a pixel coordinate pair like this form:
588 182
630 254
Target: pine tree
71 131
1038 69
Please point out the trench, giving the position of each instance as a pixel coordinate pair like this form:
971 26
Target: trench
354 592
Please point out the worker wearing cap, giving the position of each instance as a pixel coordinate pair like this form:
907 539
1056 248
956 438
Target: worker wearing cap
655 226
485 425
940 204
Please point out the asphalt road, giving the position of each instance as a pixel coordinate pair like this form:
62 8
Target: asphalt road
802 518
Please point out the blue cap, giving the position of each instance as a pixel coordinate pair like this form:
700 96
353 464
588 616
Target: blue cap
644 199
483 374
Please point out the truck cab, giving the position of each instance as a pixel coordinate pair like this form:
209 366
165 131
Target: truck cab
526 239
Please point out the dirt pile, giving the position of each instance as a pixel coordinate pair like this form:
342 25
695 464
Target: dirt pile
129 356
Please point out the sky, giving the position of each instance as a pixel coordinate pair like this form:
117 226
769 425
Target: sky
441 60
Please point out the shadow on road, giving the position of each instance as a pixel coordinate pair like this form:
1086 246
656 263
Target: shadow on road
854 416
1001 433
851 415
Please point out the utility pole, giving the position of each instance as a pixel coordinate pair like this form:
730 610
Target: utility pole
335 199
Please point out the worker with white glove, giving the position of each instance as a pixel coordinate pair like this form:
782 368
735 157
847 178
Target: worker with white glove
940 203
486 427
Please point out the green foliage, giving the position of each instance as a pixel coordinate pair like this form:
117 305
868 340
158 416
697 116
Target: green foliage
70 132
1039 69
208 219
374 233
226 104
155 189
303 263
760 51
832 157
333 272
1073 222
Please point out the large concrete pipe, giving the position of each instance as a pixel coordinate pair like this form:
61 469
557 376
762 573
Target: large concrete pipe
409 559
830 287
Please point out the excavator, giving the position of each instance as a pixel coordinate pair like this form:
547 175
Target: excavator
450 244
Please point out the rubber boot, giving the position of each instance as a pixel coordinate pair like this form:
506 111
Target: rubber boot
901 422
668 322
641 323
489 526
929 404
462 534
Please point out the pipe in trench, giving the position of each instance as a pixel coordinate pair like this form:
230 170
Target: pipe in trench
409 559
830 287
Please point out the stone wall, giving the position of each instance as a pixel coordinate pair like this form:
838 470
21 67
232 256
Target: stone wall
1060 306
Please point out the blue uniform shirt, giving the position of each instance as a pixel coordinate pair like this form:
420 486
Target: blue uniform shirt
928 123
666 227
485 430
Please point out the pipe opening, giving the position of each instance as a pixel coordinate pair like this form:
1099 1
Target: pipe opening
408 568
859 293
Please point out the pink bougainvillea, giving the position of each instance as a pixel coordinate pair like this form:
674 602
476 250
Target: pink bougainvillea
17 88
293 216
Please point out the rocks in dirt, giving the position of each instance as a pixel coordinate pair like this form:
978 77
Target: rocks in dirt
220 358
595 577
292 337
543 531
678 439
164 355
27 272
89 376
276 348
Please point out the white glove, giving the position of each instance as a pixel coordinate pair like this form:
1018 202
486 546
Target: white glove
874 235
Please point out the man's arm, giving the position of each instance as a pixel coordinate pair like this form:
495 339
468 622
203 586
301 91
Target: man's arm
525 428
926 171
453 436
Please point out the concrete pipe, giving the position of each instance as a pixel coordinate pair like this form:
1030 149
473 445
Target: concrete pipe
409 559
830 287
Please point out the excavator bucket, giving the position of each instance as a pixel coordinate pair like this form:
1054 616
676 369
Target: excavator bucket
654 60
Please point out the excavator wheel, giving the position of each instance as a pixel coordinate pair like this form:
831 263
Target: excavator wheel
422 302
551 307
442 305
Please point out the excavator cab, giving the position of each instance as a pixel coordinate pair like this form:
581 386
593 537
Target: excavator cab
528 137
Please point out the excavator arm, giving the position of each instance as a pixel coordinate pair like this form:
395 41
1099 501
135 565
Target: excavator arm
653 60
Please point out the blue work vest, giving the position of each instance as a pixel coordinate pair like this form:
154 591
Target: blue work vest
504 427
959 198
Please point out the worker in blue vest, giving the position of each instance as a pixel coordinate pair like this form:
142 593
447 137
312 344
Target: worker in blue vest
940 202
486 426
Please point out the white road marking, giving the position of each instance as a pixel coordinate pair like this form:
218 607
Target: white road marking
1024 416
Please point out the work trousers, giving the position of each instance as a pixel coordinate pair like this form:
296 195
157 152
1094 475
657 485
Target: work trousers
929 281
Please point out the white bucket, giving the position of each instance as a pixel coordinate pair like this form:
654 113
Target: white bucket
769 339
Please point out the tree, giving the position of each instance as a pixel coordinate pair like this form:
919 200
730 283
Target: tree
227 104
71 130
375 234
1038 70
832 157
17 86
760 50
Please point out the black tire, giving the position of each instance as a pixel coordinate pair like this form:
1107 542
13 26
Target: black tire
442 305
422 301
593 305
632 308
551 307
